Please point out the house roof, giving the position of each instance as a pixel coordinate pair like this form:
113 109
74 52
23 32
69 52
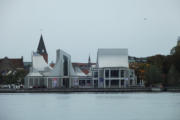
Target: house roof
85 71
83 66
11 63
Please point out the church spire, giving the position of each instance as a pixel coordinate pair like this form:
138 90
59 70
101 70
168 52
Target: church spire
42 49
89 61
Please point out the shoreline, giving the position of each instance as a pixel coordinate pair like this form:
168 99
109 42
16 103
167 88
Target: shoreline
95 90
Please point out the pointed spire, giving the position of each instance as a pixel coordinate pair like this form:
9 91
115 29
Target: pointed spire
41 47
89 61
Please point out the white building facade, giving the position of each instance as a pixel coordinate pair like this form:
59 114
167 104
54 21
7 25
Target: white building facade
62 75
112 69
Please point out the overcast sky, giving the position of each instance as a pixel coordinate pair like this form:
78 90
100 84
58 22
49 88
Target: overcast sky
80 27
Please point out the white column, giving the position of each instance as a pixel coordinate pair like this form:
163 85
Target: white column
104 79
52 85
104 83
27 82
78 82
38 81
69 82
109 83
33 82
98 80
85 83
119 83
109 78
47 82
60 82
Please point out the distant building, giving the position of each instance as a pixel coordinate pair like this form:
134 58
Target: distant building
137 60
173 50
9 66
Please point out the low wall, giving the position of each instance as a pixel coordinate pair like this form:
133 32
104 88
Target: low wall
75 90
175 89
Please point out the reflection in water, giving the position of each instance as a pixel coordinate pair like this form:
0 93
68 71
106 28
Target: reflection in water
90 106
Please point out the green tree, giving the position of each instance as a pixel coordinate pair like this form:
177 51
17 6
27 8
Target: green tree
173 77
176 58
153 75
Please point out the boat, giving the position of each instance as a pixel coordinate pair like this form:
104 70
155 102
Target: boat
156 89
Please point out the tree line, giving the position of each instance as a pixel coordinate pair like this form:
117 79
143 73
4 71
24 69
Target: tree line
161 69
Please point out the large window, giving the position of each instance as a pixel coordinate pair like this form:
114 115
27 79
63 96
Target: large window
122 73
65 66
115 82
95 75
107 83
115 73
131 82
41 82
31 82
106 73
122 82
82 82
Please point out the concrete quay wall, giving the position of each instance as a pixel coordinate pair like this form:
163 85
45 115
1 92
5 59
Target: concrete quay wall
64 90
95 90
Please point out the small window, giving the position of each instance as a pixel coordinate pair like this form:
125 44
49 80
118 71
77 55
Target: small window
122 73
88 81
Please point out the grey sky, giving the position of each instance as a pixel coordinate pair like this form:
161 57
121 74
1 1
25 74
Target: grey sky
80 27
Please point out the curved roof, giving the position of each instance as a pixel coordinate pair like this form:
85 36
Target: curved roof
34 72
37 74
112 58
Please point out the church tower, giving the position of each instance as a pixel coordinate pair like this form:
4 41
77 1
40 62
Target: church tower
42 49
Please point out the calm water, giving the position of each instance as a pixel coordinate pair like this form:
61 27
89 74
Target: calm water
90 106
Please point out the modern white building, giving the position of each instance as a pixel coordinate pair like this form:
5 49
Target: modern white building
112 69
62 75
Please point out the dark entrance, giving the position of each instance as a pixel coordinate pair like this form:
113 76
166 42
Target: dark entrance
95 83
115 83
65 65
66 82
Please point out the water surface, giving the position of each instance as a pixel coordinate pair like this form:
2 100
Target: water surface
90 106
